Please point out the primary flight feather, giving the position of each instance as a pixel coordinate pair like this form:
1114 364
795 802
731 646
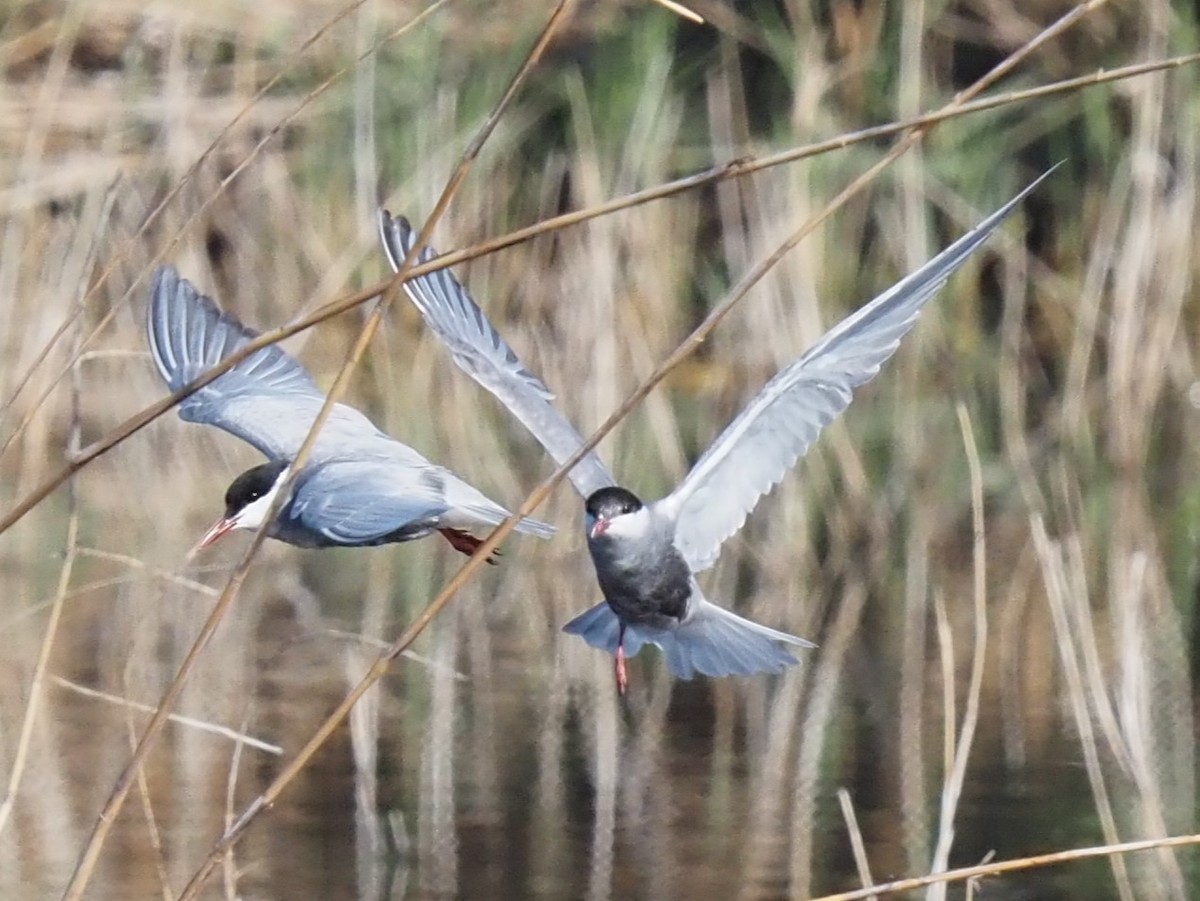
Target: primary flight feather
646 553
360 487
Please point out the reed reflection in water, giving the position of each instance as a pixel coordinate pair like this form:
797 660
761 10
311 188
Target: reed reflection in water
502 764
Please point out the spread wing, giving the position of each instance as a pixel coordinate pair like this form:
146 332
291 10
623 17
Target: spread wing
361 501
268 399
483 354
758 448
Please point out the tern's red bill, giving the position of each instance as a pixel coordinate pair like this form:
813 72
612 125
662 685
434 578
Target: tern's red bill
221 527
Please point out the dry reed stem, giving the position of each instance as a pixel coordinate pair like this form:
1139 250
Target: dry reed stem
35 137
273 825
1082 629
1136 708
37 685
945 636
955 778
379 645
818 714
369 838
642 781
975 882
437 846
680 10
158 573
106 210
239 737
911 700
731 169
1036 861
605 745
234 173
1103 246
383 663
112 807
772 775
288 61
78 591
721 172
1058 589
108 814
98 584
229 873
1012 396
156 843
856 840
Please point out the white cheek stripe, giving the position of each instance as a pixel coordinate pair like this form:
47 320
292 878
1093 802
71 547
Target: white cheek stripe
630 525
252 515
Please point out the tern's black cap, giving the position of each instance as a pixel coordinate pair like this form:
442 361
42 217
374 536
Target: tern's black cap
251 485
611 502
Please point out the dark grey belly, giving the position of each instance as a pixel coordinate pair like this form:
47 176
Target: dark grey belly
656 596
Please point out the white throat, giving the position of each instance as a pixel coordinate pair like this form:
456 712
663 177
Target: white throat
631 526
254 513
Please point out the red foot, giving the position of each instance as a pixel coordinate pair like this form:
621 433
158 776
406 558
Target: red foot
466 543
622 675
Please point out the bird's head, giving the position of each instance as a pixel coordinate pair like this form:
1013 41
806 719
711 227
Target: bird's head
248 499
607 507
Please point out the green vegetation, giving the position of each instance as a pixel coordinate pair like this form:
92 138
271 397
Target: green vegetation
506 767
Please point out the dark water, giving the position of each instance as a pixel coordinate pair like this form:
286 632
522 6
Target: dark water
528 810
504 766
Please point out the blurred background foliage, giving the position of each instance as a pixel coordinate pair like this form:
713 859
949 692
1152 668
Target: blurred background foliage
506 767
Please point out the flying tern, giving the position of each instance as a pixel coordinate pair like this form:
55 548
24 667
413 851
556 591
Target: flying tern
646 554
359 487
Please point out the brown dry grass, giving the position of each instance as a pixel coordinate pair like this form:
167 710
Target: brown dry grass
1070 344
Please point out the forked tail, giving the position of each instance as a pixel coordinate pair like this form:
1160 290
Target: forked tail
713 641
530 526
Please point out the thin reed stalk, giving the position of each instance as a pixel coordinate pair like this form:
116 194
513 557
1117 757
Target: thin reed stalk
1075 320
956 774
1001 867
856 839
1059 589
723 171
689 345
112 807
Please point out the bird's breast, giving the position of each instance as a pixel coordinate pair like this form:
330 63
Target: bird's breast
646 585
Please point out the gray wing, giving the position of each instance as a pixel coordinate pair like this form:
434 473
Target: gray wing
360 501
268 399
758 448
483 354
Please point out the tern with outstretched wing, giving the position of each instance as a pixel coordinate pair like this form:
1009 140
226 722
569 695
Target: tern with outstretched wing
360 487
646 554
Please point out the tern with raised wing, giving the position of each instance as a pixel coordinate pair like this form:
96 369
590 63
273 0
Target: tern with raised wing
647 554
359 487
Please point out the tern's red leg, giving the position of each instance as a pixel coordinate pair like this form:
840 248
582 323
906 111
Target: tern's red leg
622 675
465 543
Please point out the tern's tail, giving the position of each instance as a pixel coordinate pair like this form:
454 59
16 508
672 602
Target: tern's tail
536 527
470 510
713 641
